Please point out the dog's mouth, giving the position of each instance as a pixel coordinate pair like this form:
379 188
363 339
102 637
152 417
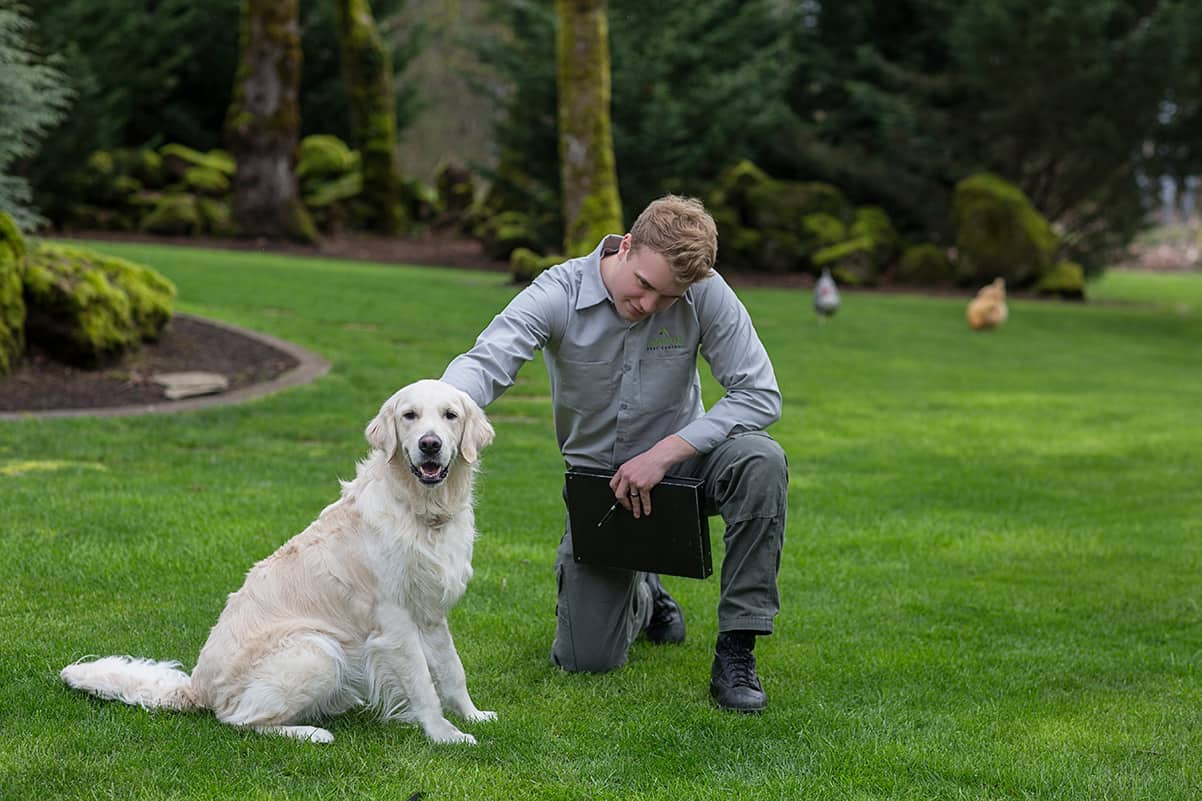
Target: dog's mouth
429 472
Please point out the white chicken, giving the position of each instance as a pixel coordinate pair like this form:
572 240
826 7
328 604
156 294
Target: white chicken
826 295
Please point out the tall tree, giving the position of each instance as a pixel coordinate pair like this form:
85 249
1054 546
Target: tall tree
263 123
586 150
367 69
33 98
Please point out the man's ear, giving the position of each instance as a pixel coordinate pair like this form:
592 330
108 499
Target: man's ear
477 431
381 432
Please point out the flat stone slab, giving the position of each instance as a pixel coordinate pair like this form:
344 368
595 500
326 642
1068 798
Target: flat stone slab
190 384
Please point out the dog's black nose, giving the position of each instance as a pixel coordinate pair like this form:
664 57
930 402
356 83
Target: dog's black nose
429 444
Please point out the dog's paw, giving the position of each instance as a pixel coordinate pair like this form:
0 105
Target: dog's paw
320 736
445 732
480 715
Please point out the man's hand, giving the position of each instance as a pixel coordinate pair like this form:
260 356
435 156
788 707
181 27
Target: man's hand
633 481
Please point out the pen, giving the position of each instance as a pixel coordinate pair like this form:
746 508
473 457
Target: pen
605 517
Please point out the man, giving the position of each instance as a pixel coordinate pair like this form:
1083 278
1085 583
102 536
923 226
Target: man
620 330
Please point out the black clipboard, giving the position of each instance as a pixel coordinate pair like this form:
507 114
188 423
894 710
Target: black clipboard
674 539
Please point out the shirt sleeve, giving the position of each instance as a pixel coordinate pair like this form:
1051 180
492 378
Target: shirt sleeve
740 363
530 320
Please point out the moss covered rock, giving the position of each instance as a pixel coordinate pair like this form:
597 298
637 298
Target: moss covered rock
1066 279
783 204
173 214
925 264
178 159
525 265
504 233
88 308
999 233
851 263
12 302
325 156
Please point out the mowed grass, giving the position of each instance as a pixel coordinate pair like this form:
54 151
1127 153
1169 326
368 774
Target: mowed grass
990 582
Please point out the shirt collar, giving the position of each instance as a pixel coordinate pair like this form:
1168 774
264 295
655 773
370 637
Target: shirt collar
592 288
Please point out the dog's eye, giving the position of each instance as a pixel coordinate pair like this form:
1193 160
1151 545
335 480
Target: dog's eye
450 414
410 415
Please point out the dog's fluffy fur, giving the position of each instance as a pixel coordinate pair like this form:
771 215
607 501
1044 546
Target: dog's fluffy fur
988 308
353 610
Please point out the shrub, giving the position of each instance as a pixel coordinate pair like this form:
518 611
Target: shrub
999 233
1066 279
925 264
525 265
87 308
12 303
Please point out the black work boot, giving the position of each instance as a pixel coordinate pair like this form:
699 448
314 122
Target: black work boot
667 620
733 682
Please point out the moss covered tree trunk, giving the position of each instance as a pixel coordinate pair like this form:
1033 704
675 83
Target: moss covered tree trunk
367 71
262 125
586 151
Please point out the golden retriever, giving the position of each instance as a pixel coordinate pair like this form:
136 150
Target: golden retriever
353 610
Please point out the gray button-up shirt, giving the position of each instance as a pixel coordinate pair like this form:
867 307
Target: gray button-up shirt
618 387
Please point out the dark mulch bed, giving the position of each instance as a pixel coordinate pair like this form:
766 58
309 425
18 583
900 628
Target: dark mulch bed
40 384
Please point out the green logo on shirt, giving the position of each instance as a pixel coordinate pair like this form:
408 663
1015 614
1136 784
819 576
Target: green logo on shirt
664 340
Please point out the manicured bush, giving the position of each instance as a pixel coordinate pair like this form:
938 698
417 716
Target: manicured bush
525 265
925 264
1066 279
12 303
87 308
1000 234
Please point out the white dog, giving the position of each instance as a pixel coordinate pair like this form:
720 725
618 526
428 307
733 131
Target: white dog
353 610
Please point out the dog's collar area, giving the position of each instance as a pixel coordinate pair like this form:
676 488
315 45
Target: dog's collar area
429 472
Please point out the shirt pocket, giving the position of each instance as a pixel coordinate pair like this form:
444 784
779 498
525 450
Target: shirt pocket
667 380
586 386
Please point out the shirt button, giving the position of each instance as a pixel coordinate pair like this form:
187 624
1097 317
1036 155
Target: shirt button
626 368
622 407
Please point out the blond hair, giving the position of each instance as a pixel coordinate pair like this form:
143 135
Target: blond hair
682 231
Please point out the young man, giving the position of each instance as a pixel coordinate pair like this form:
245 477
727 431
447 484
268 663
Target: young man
620 330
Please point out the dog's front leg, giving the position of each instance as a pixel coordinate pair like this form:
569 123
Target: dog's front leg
399 681
447 670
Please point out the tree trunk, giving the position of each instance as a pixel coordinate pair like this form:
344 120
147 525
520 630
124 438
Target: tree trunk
367 73
586 151
262 125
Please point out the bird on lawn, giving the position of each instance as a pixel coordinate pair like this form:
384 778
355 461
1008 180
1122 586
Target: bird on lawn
988 309
826 295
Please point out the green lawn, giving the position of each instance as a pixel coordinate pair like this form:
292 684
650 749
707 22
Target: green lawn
991 582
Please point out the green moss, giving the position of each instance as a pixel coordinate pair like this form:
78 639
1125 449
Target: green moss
324 156
1066 279
824 229
588 174
999 233
367 72
873 223
12 302
178 159
925 264
206 181
851 263
151 296
175 214
783 204
525 265
505 232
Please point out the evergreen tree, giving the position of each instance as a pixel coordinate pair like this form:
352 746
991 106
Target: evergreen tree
695 88
33 97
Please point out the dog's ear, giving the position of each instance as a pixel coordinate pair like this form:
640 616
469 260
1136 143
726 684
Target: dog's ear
477 431
381 432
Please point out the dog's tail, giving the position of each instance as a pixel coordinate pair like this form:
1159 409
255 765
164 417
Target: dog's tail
143 682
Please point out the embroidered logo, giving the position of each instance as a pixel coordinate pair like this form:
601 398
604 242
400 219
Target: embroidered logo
664 340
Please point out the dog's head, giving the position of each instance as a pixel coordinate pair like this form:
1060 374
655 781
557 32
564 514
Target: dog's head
426 425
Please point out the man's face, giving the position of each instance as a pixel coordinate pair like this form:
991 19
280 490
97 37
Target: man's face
642 283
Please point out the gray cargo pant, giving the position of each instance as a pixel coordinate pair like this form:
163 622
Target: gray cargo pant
602 610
